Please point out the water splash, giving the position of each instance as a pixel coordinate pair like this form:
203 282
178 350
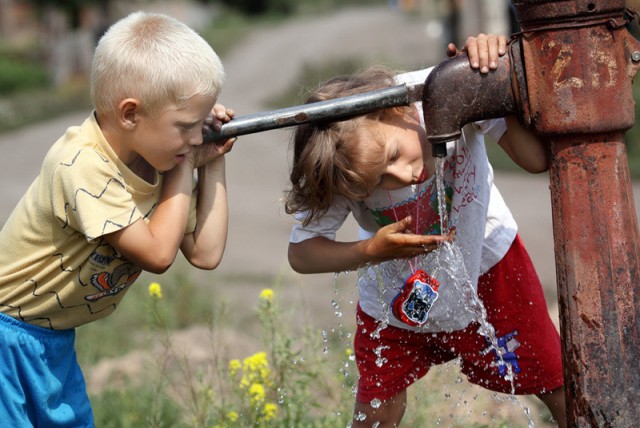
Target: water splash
442 196
448 259
325 341
376 403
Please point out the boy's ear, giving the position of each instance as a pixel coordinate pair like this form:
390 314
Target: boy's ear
128 112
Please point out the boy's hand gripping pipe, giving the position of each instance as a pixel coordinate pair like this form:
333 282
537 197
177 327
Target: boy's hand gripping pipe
331 110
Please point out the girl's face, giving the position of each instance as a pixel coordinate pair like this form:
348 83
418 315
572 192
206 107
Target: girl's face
406 154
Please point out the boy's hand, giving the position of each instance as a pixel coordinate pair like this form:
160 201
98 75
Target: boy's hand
219 115
483 51
207 152
398 240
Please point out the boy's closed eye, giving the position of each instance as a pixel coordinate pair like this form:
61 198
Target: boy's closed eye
189 126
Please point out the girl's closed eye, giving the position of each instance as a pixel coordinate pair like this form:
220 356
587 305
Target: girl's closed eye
395 155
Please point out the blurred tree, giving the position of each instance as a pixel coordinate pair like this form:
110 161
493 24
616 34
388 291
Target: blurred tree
68 31
71 8
258 7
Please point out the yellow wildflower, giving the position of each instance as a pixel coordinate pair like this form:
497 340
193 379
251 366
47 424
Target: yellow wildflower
266 295
258 366
234 367
155 290
255 369
233 416
349 353
269 411
257 394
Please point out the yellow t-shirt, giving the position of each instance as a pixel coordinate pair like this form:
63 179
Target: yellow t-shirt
56 270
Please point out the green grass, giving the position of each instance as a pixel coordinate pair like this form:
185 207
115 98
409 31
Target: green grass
310 372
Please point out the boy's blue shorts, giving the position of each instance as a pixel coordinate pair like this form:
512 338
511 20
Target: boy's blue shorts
41 383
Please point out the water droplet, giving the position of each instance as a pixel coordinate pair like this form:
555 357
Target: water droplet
376 403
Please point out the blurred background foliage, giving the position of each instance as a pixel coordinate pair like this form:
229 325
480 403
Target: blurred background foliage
46 47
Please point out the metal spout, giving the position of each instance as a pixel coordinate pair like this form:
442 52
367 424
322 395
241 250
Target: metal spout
439 150
477 96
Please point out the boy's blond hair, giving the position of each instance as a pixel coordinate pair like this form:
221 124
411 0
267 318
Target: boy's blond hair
156 59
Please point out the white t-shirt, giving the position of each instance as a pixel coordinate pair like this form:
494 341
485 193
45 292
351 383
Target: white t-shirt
484 227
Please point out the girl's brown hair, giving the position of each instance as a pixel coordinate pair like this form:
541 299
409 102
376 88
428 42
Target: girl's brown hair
327 159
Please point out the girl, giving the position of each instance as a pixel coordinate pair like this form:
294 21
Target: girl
413 301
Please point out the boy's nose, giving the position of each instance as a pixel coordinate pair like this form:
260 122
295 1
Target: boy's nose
196 139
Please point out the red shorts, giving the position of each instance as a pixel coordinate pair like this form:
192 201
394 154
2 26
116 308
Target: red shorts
515 304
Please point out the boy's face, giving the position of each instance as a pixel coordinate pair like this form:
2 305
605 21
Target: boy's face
406 158
166 139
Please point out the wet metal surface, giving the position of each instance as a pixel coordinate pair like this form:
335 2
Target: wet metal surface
579 65
596 247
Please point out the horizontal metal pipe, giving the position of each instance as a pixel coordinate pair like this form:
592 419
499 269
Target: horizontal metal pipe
330 110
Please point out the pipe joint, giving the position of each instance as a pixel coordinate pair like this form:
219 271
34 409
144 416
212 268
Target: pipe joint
455 94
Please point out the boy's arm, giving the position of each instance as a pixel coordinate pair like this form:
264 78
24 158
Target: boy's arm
205 246
153 246
319 254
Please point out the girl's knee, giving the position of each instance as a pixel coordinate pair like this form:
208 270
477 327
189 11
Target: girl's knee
555 401
383 414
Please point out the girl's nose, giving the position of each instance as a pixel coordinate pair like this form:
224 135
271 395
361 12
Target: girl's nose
402 173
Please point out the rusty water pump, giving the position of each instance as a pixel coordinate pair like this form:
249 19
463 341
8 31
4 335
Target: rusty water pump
569 78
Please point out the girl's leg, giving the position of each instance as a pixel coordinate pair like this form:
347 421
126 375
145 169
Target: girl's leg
554 400
387 415
407 357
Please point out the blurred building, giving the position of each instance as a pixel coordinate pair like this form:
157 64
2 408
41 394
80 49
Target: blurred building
63 38
458 19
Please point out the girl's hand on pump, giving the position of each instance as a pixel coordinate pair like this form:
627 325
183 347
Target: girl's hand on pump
483 51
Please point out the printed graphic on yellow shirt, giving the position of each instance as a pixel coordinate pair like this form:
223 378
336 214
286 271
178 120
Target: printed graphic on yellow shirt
111 284
112 272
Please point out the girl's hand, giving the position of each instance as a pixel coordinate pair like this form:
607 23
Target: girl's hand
483 51
398 240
